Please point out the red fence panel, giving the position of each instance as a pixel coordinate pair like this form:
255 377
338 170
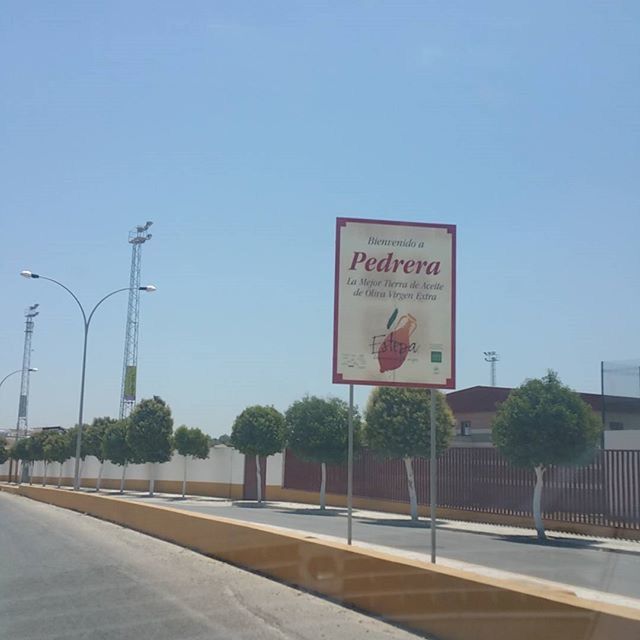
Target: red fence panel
604 491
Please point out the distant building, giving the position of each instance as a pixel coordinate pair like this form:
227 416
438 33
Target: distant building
475 408
10 433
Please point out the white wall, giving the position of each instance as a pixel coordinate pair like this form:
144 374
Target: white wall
622 439
224 464
275 470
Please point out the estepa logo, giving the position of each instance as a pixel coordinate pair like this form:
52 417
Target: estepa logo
392 348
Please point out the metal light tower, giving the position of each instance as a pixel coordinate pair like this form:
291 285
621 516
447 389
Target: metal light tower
492 357
22 423
137 238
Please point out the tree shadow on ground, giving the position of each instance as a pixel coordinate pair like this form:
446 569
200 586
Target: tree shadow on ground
312 512
196 499
250 504
558 543
403 523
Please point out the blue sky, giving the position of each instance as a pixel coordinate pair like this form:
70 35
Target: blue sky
243 129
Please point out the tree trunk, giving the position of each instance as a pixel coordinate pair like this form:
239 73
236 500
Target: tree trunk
124 471
99 480
152 479
60 474
323 486
411 484
259 479
537 500
30 468
44 474
184 477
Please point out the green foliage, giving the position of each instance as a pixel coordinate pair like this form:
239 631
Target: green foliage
317 429
397 422
115 447
191 442
35 446
150 432
4 450
56 447
259 431
72 436
93 436
20 450
225 439
543 422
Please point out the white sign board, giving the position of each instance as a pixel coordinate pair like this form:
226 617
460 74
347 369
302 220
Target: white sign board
394 313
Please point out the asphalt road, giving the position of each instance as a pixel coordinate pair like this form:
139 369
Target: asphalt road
574 562
65 576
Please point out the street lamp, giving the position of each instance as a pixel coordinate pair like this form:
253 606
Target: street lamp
87 321
13 373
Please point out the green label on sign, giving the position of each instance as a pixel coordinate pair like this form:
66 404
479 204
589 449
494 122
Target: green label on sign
436 356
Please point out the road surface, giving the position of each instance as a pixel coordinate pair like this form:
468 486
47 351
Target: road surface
65 576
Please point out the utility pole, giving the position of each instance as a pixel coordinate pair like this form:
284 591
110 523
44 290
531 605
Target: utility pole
492 357
137 238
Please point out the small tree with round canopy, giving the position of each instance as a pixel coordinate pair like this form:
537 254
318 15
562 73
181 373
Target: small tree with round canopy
190 442
398 425
317 431
544 423
259 431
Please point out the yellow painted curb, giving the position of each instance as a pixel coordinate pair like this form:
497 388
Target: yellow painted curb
448 603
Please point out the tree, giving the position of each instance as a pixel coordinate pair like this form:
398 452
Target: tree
35 452
544 423
150 433
398 425
224 439
115 447
317 431
190 442
4 451
20 452
72 441
55 449
93 437
259 431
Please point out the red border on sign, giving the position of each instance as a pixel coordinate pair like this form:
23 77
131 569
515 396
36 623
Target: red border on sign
338 378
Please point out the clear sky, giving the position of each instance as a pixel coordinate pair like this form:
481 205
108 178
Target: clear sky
243 129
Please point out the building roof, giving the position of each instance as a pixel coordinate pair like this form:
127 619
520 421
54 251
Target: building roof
481 399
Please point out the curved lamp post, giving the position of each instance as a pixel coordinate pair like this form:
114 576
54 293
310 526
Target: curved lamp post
13 373
87 321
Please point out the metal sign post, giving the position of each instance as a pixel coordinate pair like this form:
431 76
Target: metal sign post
350 468
432 474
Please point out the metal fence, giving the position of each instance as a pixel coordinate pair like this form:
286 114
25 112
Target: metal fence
604 492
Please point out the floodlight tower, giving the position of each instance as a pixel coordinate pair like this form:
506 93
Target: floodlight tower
22 423
137 237
492 357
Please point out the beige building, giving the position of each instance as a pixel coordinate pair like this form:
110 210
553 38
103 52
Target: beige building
475 408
